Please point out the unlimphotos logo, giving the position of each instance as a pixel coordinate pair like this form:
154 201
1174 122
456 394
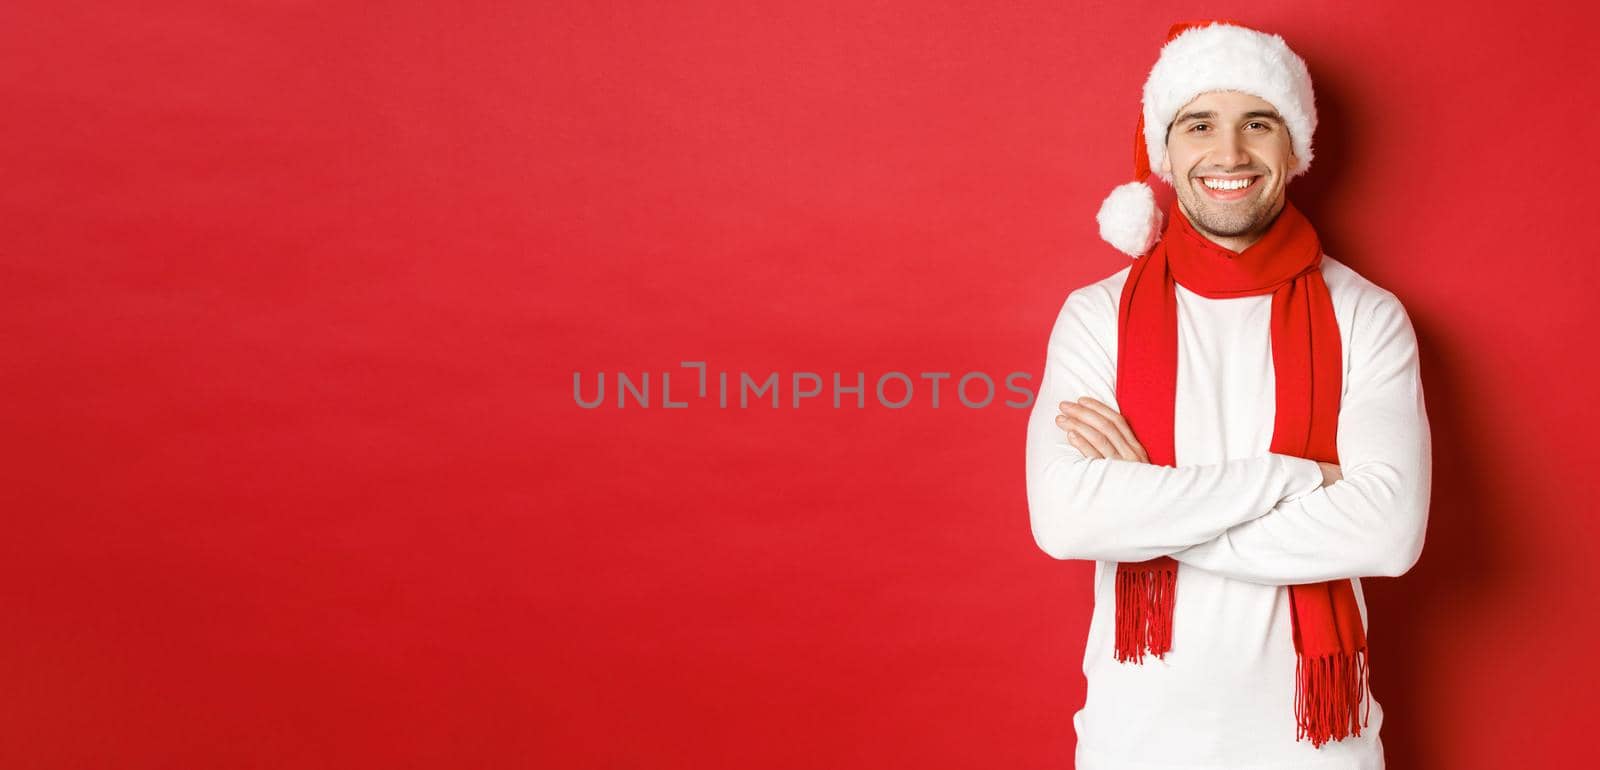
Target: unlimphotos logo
892 389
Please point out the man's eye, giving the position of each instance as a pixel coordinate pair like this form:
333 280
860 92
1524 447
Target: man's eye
1197 127
1259 123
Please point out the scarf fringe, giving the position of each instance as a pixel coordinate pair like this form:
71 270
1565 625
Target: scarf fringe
1145 599
1328 694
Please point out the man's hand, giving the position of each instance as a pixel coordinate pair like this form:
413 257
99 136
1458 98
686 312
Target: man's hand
1330 473
1099 431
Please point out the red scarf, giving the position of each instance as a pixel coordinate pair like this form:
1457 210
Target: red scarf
1329 641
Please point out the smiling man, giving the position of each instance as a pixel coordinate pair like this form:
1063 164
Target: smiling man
1233 429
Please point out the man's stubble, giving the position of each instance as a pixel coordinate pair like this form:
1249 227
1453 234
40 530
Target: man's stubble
1227 220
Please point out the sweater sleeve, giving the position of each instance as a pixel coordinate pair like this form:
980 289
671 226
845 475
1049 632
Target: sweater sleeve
1119 510
1371 522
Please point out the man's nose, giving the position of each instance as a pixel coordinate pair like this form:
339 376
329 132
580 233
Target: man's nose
1231 152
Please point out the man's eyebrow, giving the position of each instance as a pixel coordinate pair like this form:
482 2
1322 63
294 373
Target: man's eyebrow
1210 115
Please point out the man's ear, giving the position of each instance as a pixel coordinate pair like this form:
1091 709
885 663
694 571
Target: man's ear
1166 164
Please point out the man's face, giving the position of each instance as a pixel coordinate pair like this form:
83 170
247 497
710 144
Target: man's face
1225 137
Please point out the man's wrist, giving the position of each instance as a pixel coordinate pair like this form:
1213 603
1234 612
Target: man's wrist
1304 474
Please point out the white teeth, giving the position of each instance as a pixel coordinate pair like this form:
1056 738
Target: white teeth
1225 184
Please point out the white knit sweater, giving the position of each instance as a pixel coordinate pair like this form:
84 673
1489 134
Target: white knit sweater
1244 523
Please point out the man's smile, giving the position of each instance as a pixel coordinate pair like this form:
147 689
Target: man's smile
1228 188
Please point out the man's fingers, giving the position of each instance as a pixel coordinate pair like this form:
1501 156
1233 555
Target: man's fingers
1119 423
1082 445
1092 436
1075 436
1112 415
1102 428
1107 429
1096 443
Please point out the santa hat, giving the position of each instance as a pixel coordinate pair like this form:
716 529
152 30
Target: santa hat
1215 55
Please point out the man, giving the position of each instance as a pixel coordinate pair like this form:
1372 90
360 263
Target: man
1232 427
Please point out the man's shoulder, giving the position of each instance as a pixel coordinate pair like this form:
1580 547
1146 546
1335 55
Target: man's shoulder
1103 294
1090 311
1375 324
1343 280
1356 294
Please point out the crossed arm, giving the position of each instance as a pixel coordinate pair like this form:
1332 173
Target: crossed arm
1265 519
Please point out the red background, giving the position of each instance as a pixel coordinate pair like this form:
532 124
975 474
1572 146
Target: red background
293 295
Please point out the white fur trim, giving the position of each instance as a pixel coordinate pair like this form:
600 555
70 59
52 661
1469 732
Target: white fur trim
1225 57
1129 219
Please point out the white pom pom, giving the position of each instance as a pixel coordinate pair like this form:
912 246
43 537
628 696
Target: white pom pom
1129 219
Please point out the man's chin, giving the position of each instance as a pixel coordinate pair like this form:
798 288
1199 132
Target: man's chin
1228 229
1229 226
